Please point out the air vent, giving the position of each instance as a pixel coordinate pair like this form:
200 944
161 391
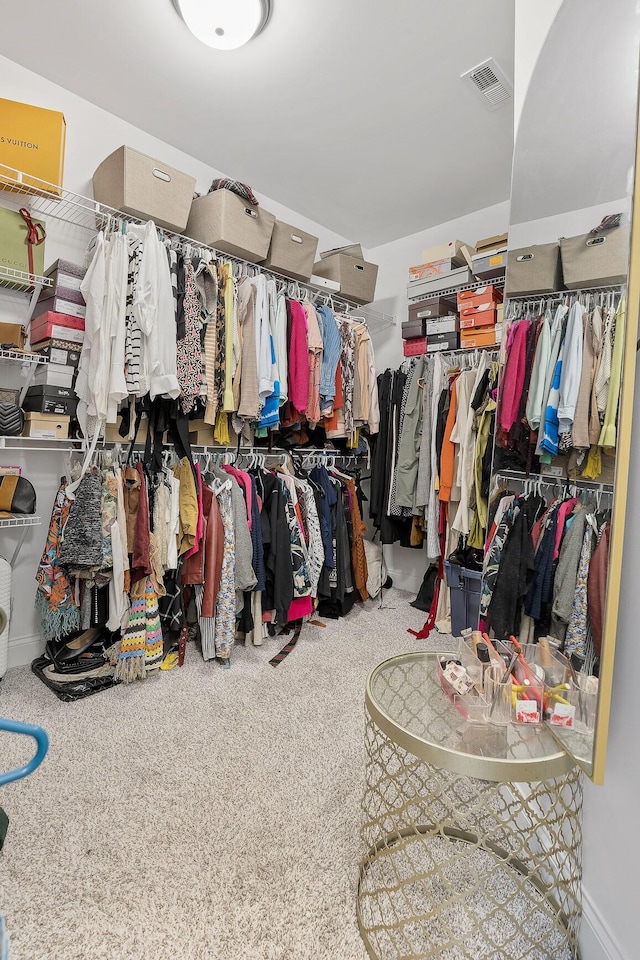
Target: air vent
489 80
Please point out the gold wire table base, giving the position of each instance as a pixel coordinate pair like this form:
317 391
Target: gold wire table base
461 868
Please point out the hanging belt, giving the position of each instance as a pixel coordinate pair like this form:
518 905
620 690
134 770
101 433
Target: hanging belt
35 236
286 650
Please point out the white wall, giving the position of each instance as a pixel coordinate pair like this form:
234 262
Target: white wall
611 921
533 22
571 224
406 566
92 134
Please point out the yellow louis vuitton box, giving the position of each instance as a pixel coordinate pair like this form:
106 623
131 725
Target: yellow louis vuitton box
32 141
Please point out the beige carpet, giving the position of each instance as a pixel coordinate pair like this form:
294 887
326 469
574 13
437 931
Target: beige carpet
203 814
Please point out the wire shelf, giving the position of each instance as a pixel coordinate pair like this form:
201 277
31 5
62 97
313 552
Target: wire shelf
476 285
559 295
41 444
47 200
21 280
23 357
546 480
26 520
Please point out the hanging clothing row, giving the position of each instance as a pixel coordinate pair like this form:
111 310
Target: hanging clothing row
155 555
434 448
560 386
545 569
168 320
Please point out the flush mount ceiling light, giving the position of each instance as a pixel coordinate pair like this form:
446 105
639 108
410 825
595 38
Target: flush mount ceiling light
224 24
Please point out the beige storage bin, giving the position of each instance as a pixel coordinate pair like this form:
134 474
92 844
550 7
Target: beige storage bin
144 188
356 277
595 260
534 269
292 251
225 221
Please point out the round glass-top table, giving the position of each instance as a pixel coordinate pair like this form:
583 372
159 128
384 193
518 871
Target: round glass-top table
472 831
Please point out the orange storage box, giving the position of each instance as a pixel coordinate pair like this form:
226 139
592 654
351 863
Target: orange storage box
483 316
476 298
485 337
32 141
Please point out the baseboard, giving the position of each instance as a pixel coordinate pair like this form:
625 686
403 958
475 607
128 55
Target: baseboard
22 651
597 942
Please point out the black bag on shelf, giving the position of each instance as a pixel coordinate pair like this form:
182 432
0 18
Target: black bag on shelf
11 419
17 496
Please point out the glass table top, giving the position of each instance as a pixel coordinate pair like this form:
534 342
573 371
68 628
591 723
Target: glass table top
405 699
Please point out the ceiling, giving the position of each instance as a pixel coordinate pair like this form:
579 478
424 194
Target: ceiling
352 113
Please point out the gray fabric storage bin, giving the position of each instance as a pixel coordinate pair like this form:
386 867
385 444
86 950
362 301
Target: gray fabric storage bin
535 269
356 277
224 220
144 188
292 251
595 260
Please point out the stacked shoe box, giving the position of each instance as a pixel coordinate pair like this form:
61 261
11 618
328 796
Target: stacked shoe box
480 317
57 332
433 321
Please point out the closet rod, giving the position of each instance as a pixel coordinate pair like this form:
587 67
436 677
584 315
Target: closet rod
560 295
184 244
536 478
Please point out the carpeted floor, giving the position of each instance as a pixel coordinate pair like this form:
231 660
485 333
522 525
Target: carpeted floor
203 814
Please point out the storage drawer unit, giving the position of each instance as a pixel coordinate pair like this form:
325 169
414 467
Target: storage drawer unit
479 296
224 220
490 266
442 341
46 426
432 307
64 300
64 352
472 338
145 188
44 399
482 316
56 326
441 325
413 328
414 347
423 289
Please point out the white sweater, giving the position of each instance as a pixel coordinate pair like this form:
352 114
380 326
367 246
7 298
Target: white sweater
154 308
571 369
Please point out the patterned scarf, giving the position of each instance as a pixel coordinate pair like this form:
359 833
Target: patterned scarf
55 601
141 646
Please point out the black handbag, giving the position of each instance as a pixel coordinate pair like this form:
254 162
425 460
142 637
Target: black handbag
17 496
11 420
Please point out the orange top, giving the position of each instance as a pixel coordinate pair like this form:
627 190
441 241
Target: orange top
447 455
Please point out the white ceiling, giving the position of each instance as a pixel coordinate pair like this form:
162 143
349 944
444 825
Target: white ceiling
348 111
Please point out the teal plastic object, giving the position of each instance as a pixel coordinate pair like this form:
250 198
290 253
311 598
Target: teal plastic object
27 730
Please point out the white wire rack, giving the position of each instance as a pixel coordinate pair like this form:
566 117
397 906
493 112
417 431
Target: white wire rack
49 201
25 520
11 279
23 357
40 444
